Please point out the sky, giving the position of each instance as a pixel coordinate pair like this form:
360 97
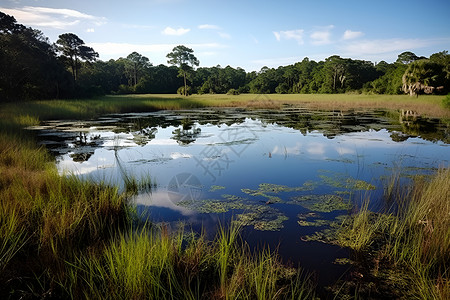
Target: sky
246 33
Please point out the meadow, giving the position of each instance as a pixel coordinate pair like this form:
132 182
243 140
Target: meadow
426 105
62 237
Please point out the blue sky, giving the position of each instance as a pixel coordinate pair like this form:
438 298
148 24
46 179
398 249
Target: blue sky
248 34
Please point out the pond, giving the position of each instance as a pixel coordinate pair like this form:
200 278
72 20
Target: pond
283 174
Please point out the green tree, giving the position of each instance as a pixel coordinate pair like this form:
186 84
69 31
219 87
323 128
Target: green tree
135 67
406 58
73 50
422 76
443 58
334 72
29 68
184 58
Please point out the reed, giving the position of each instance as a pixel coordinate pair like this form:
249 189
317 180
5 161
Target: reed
414 237
430 106
151 263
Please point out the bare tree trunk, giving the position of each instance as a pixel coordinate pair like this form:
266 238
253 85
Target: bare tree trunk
185 87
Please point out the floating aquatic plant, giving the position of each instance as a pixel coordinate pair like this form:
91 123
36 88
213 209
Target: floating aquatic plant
266 189
321 203
311 219
340 180
216 206
214 188
263 218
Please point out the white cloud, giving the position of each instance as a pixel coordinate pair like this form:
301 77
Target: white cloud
155 51
350 35
388 45
277 35
276 62
90 30
52 17
207 53
316 148
322 35
209 26
136 26
296 34
224 35
173 31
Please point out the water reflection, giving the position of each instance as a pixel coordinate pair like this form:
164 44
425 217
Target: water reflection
264 167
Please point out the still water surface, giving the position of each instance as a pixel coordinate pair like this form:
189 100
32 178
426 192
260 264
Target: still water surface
283 174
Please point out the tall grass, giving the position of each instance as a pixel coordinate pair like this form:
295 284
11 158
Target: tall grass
89 108
46 218
150 263
71 238
415 237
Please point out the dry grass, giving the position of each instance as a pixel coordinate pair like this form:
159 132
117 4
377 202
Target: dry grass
426 105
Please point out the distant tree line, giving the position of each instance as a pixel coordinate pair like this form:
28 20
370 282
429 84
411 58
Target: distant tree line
33 68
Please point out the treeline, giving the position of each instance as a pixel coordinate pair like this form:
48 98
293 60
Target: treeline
32 68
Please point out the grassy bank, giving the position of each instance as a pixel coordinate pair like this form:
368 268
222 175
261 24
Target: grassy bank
430 106
406 250
62 237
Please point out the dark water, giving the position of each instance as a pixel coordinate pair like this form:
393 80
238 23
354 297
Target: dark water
269 170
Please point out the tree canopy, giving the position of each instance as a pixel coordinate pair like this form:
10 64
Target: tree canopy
73 49
33 68
184 58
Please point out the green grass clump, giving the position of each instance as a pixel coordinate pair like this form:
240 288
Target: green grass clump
89 108
446 102
151 263
411 244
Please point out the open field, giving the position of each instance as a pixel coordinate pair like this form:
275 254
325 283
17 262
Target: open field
430 106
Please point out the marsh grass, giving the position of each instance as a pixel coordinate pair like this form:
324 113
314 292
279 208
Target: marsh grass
70 238
412 242
152 263
46 218
427 105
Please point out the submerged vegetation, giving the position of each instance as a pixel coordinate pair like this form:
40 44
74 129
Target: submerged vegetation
405 250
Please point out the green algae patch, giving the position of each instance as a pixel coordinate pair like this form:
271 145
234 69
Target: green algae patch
263 218
311 219
268 190
255 193
227 203
328 236
314 223
343 261
214 188
340 180
321 203
341 160
277 188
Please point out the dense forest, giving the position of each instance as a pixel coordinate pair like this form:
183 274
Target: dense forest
33 68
